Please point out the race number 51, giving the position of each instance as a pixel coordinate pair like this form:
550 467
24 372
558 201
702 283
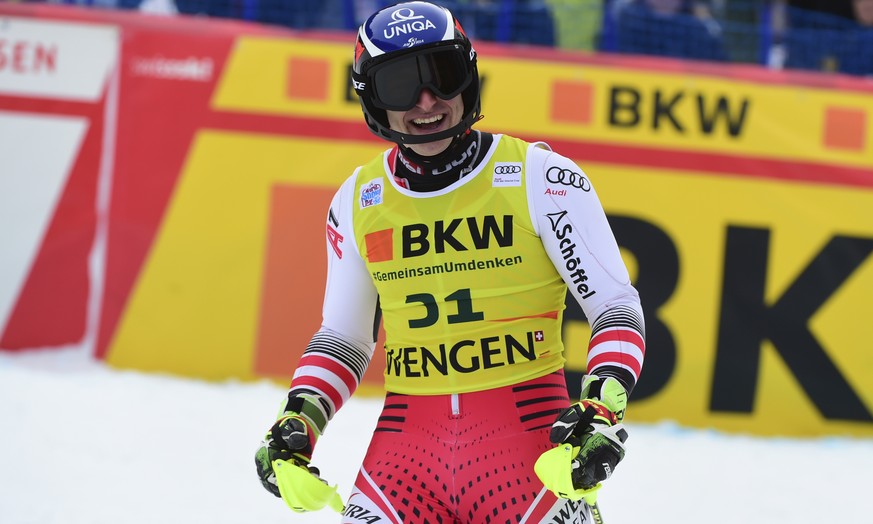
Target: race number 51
464 308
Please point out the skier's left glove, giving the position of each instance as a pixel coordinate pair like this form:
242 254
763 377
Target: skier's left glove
283 458
590 441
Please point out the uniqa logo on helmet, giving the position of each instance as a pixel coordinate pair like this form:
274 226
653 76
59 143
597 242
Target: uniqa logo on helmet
404 21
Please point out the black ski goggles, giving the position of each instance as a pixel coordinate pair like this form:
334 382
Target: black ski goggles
396 84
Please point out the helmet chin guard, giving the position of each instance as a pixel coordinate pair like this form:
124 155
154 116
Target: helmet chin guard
405 48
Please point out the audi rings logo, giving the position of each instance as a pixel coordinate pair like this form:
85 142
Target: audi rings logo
507 169
507 174
566 177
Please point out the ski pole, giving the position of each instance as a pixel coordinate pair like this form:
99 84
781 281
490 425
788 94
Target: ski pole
595 513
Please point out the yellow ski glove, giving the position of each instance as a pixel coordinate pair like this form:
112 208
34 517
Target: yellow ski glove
590 441
283 458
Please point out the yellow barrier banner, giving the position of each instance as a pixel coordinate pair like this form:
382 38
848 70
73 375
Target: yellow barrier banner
741 201
756 294
545 94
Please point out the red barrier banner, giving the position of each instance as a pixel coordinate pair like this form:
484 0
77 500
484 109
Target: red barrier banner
57 89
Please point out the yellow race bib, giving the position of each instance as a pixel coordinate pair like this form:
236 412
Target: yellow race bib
470 299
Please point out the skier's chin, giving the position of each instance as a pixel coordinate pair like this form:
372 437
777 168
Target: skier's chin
431 148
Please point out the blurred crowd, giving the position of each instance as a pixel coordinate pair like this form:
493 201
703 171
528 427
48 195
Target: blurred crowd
821 35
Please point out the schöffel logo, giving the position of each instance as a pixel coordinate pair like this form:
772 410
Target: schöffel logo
371 193
507 174
566 177
563 230
404 22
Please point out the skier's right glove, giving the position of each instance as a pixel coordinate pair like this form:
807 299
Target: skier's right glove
590 441
283 458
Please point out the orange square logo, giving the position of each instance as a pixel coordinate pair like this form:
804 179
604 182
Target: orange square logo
571 102
845 128
380 245
308 78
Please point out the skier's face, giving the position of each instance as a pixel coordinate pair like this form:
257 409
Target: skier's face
430 114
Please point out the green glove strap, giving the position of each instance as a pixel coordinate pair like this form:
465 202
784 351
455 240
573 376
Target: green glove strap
608 390
309 408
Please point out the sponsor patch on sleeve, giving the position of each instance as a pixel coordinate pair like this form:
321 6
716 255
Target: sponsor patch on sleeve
371 193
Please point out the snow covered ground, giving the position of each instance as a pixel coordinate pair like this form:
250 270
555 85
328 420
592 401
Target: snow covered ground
81 443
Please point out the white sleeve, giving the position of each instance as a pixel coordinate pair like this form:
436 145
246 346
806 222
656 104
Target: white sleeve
334 361
350 297
576 235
